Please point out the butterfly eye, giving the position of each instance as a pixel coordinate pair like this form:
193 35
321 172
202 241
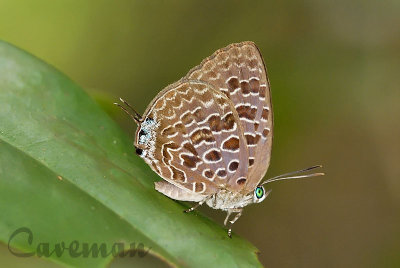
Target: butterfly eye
259 192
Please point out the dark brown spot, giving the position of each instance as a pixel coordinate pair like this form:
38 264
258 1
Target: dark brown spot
190 160
221 173
187 118
233 84
215 123
220 101
180 128
198 187
212 74
256 126
209 174
165 153
246 112
253 63
199 115
244 85
265 132
251 139
229 121
188 146
168 131
241 181
254 85
251 161
232 144
202 135
262 91
177 174
265 113
233 166
213 156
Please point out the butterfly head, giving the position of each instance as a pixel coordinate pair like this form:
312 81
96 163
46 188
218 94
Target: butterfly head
145 137
145 133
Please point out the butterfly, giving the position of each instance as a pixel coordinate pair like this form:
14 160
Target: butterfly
209 135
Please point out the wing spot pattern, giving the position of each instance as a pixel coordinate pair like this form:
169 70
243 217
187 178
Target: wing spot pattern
231 144
212 156
233 165
203 134
221 173
241 181
190 161
208 174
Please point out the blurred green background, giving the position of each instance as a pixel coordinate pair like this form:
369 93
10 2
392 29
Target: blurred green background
334 68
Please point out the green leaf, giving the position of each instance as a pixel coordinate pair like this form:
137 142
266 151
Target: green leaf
68 172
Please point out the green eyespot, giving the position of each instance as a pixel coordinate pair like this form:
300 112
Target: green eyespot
259 192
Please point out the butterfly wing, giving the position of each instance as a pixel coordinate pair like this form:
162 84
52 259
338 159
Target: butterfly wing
238 70
190 136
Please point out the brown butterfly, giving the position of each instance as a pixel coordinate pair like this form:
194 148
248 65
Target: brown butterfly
209 135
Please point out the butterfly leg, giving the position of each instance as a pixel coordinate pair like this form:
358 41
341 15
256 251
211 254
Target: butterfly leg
229 212
239 213
198 204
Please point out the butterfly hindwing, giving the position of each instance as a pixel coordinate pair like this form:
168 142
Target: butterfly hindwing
194 140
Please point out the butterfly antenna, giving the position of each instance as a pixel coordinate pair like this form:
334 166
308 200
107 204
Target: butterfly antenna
288 176
136 116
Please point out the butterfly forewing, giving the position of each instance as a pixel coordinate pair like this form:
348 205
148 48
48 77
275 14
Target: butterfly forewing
198 143
239 72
